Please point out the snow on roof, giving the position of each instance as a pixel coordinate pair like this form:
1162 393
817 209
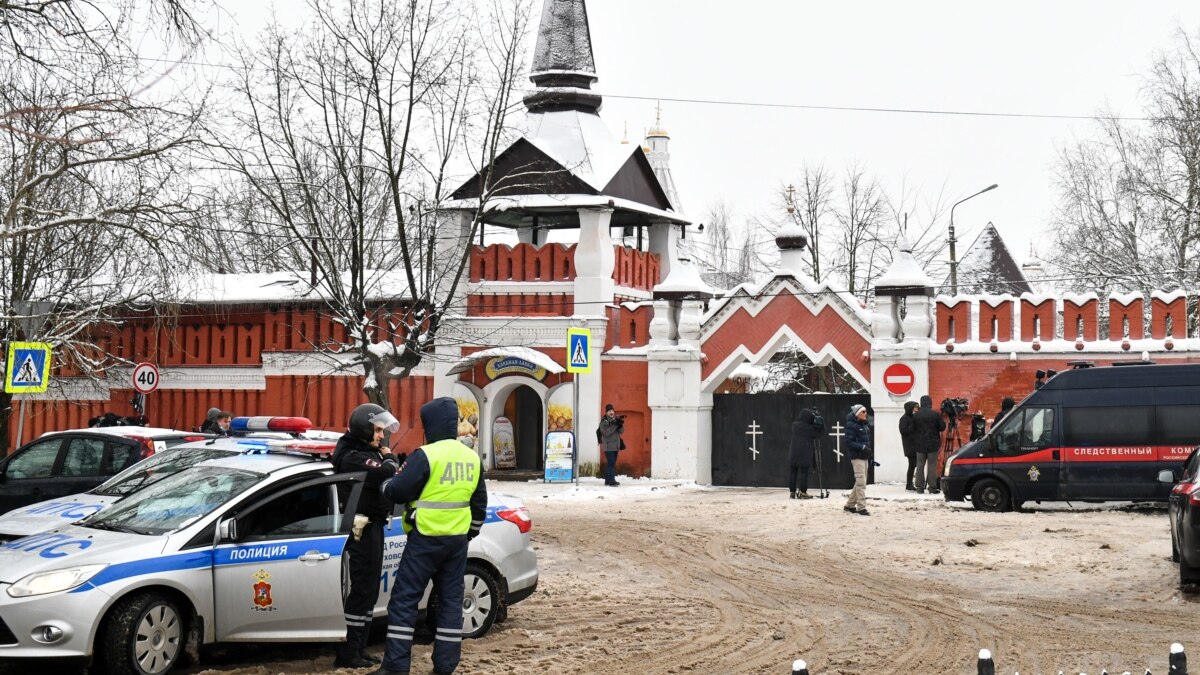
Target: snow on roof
581 142
989 267
952 300
1035 299
540 359
532 202
1125 299
683 278
904 271
747 371
279 287
1168 296
1080 298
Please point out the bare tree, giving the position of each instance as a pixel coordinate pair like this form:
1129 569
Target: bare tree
1128 212
344 140
91 186
810 206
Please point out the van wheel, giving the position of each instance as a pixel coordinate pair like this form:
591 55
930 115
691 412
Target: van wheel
1188 575
990 494
144 635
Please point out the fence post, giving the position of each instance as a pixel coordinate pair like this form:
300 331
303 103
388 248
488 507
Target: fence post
1178 660
986 665
799 667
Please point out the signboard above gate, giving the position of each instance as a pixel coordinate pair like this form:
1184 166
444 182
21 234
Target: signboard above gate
514 365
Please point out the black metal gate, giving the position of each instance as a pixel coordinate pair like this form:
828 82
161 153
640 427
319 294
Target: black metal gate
751 433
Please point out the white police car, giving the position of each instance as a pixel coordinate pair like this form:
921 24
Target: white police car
167 461
243 548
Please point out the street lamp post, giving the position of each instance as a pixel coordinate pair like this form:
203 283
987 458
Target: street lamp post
953 259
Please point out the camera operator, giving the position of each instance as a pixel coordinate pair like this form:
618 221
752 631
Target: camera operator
978 426
805 432
928 426
608 436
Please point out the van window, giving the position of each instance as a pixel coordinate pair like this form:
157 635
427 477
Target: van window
1179 424
1123 425
1026 430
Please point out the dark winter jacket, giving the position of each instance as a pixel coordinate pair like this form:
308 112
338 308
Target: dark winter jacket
805 432
928 426
440 419
352 455
211 427
858 438
1006 407
908 430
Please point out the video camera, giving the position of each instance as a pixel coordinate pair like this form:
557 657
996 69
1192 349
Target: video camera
955 407
818 421
978 426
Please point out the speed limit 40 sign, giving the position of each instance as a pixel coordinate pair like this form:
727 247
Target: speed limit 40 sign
145 378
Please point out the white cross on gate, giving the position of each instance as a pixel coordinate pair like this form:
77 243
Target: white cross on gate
754 433
837 435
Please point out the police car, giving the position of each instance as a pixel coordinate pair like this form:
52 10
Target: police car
242 548
167 461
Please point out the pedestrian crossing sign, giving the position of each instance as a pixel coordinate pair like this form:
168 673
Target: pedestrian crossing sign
27 370
579 350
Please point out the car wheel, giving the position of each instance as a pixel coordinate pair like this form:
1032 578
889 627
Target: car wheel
144 635
1188 575
481 601
990 494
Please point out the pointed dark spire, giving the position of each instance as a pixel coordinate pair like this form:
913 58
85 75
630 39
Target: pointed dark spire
563 66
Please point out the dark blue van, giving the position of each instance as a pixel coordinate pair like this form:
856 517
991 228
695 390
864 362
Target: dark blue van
1088 434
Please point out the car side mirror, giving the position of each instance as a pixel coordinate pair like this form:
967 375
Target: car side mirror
1167 476
228 530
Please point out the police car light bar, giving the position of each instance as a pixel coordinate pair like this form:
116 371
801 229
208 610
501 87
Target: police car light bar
291 425
314 448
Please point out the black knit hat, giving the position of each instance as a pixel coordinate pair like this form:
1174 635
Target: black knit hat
608 407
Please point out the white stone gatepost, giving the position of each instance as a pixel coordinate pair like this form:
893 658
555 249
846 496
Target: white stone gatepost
594 288
903 341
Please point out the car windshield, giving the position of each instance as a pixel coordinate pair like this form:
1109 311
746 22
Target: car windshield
157 467
175 501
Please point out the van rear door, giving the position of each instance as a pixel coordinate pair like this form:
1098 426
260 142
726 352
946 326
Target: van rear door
1026 452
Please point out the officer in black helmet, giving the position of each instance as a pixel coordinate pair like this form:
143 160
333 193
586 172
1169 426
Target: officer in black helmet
364 448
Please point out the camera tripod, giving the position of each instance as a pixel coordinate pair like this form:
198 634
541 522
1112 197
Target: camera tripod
819 466
950 443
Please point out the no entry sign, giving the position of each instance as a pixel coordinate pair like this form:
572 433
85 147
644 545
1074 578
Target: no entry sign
899 379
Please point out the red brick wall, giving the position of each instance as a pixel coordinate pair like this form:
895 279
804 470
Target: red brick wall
1176 310
1089 312
1045 315
624 386
327 401
1001 315
1119 314
825 327
961 315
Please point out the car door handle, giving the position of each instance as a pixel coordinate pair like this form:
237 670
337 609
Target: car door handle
314 556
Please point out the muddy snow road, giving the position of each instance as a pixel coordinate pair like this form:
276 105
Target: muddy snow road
652 577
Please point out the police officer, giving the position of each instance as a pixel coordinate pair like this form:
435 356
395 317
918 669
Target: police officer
364 448
442 487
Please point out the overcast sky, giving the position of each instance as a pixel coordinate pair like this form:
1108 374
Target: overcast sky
1065 57
1050 58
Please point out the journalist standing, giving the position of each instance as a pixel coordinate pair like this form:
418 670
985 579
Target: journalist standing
608 436
908 439
441 485
858 449
364 449
928 425
1006 407
805 432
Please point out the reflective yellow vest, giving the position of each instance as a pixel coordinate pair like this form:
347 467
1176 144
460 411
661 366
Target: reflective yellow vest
444 506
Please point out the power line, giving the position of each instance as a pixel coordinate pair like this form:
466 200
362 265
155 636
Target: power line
770 104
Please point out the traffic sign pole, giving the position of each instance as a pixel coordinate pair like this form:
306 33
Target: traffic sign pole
579 361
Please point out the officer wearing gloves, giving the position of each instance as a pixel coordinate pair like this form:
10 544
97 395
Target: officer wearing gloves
364 448
442 487
858 442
